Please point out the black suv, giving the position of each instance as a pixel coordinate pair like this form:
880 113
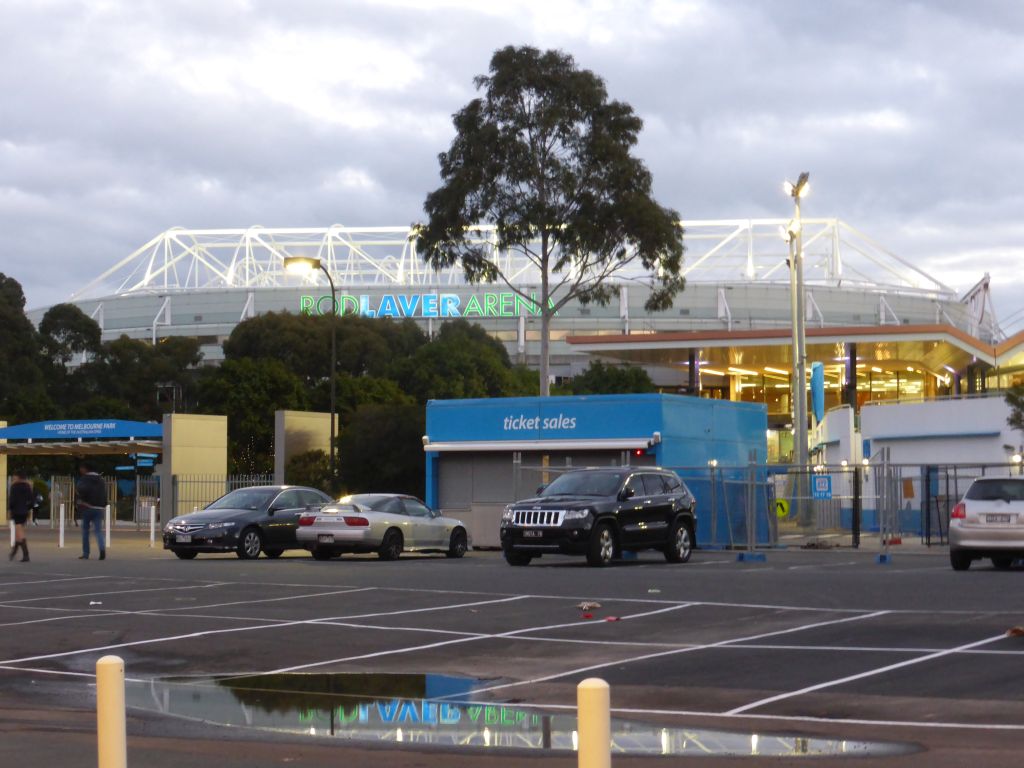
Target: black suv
601 513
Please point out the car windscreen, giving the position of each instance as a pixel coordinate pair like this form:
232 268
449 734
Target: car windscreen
1005 489
246 498
584 484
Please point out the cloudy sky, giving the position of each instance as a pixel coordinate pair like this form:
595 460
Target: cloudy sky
121 119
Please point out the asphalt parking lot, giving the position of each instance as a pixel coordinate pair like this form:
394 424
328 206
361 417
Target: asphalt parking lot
819 643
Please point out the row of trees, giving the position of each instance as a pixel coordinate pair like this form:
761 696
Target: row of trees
386 372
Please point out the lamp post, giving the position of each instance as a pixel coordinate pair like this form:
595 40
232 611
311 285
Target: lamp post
796 282
306 264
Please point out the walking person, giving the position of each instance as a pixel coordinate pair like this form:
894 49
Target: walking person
91 501
20 499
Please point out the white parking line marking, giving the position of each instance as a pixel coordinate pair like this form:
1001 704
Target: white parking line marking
55 581
18 603
253 602
212 632
862 675
647 656
410 649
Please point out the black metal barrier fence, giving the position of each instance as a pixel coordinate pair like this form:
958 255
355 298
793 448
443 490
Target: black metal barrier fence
817 506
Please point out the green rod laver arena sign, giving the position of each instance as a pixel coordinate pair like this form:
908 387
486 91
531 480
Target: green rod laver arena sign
504 304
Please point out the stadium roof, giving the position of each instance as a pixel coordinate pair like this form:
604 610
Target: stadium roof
718 251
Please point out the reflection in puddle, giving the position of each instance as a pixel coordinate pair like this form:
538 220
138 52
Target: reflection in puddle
439 709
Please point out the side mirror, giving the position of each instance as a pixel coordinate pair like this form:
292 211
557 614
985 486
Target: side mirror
272 510
626 493
540 488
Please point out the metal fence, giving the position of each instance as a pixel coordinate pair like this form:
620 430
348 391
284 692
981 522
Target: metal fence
837 504
192 492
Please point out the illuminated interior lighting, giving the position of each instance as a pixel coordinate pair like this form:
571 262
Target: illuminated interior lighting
712 371
742 371
861 365
876 369
776 370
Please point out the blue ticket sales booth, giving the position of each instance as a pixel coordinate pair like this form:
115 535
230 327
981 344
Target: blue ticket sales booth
483 454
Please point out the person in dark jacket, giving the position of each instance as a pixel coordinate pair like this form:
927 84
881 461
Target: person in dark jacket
20 499
91 500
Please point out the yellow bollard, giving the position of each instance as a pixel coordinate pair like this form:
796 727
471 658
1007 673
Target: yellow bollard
593 704
111 735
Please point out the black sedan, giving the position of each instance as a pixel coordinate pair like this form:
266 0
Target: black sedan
601 513
246 521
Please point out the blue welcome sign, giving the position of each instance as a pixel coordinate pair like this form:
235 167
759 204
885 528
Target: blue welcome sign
92 429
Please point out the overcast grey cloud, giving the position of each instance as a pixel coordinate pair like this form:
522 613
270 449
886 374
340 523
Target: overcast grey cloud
121 119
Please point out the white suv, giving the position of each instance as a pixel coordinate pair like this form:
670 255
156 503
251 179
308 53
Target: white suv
988 522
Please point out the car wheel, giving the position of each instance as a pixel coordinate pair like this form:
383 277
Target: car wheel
391 545
517 558
458 544
960 561
602 546
680 545
273 554
321 554
250 544
1002 563
184 554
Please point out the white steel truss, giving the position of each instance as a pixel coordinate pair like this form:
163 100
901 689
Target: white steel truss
726 251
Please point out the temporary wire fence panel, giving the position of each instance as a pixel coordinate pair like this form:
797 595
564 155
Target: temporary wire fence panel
195 492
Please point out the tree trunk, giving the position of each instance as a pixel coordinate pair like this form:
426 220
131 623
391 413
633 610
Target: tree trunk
545 320
545 329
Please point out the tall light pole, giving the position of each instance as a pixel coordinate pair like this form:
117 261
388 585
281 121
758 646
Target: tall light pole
796 282
306 264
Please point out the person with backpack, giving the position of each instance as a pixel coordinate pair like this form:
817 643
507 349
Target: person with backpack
20 499
91 501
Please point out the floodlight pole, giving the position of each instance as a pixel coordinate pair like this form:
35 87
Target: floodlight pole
334 365
799 350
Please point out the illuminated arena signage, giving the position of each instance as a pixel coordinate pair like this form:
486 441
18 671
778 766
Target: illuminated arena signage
504 304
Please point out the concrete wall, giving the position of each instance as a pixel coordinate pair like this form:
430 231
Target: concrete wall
193 445
297 432
965 431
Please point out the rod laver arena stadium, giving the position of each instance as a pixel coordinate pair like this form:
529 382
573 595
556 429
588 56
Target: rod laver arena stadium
882 328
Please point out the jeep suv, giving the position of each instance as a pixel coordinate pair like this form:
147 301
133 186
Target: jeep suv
602 513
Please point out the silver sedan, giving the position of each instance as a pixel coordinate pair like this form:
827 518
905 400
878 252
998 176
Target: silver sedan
385 523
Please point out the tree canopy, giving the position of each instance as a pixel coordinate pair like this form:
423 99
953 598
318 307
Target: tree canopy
601 379
544 157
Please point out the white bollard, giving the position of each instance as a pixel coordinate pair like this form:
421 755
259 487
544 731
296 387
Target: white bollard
12 534
594 724
152 526
107 531
60 536
111 733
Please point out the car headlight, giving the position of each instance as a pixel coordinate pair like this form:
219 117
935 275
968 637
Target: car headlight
170 526
221 525
576 514
507 515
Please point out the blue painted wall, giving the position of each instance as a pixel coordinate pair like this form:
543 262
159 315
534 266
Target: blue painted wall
693 431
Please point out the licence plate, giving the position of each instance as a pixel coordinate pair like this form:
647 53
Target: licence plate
180 539
997 518
325 538
533 534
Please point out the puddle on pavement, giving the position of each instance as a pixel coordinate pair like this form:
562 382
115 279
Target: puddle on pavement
440 709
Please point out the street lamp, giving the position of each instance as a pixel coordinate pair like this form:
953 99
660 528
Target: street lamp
796 285
305 265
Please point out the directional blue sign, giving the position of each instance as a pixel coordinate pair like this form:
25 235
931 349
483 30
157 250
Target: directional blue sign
821 487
